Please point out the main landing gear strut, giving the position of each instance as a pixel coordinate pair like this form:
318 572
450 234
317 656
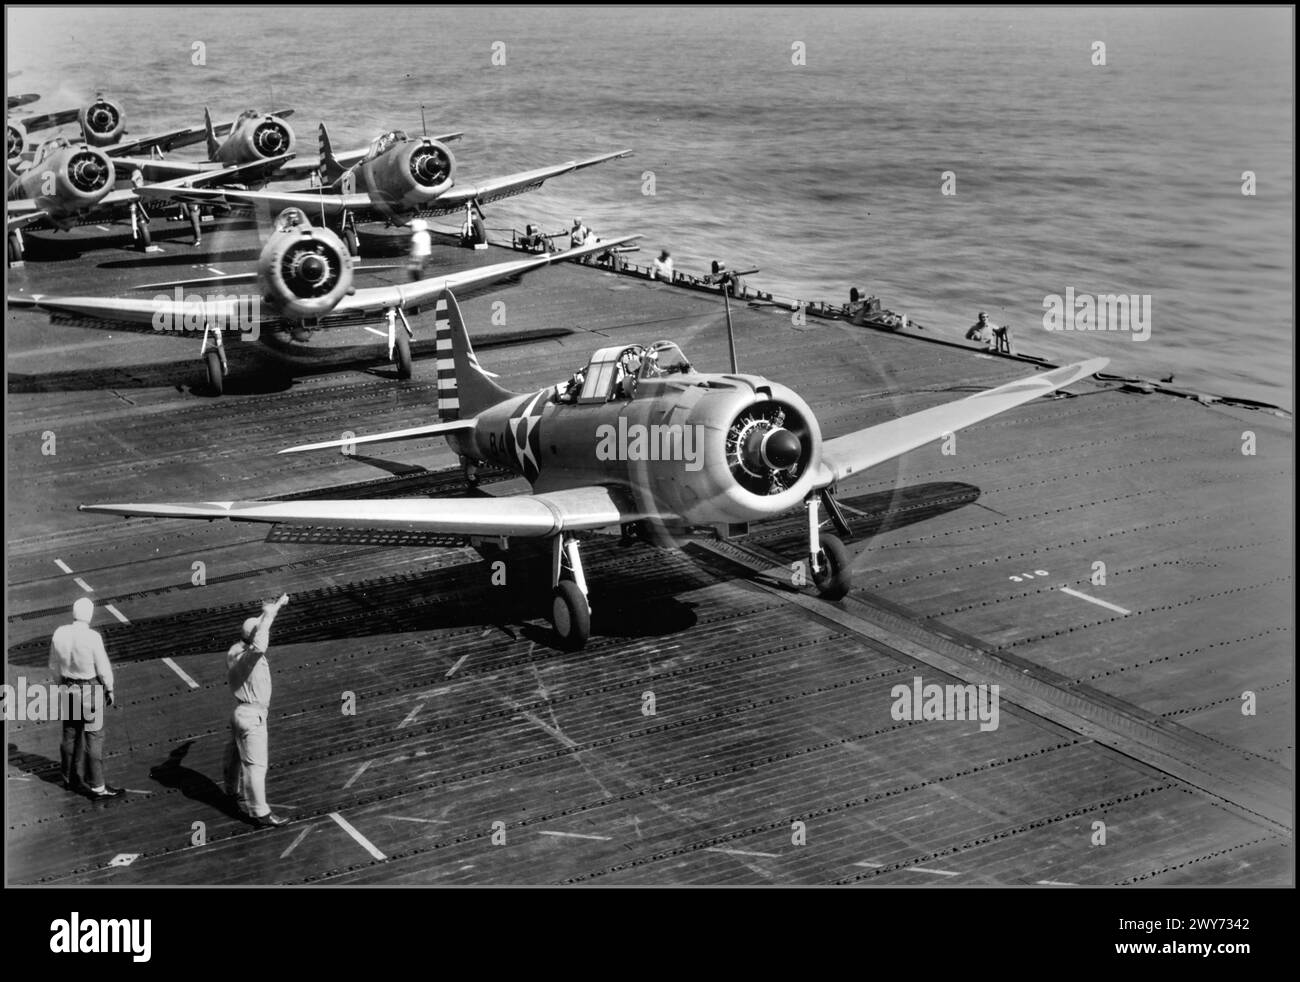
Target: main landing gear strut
399 342
570 611
827 558
213 353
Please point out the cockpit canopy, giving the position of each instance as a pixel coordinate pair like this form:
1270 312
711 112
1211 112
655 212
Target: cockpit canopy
613 372
382 144
51 146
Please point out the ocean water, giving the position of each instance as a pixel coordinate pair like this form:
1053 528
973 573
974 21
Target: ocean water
1122 178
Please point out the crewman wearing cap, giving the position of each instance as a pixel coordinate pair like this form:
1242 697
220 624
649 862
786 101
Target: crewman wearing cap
79 661
577 234
421 249
250 681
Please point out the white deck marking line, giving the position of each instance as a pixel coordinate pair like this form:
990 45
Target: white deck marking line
574 835
83 584
866 865
453 668
936 872
1094 600
103 228
430 821
217 271
136 791
360 770
377 333
361 839
63 566
410 716
743 852
181 672
1055 883
294 844
119 615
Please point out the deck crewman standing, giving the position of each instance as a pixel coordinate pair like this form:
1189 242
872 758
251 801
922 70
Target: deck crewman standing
249 676
79 661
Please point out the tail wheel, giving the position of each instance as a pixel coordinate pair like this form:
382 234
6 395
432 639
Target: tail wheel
352 242
402 354
570 616
216 374
834 577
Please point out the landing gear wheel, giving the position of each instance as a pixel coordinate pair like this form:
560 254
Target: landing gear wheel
402 353
570 616
146 239
834 577
15 248
216 374
352 242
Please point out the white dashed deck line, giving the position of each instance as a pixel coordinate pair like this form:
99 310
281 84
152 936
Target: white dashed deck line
742 852
360 770
574 835
936 872
63 566
1094 600
452 671
181 672
83 584
294 844
116 613
361 840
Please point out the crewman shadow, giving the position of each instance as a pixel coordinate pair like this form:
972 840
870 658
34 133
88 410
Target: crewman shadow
172 773
39 767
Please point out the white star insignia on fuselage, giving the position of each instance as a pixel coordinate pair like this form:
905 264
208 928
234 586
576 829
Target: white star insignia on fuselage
522 427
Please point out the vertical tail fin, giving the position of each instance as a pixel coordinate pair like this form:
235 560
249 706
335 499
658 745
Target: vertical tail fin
213 145
330 168
464 388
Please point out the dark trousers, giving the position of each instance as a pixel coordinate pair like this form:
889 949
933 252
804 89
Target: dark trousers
81 753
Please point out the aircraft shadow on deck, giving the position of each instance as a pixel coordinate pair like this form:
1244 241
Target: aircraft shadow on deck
448 599
254 369
872 514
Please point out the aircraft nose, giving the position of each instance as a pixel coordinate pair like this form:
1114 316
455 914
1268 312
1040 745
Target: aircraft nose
313 269
781 449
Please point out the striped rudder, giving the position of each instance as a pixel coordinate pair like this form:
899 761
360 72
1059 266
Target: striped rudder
464 388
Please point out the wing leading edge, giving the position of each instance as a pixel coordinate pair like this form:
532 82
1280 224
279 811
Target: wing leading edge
524 516
845 455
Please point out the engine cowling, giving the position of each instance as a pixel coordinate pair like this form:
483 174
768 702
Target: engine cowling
15 141
68 181
410 176
258 138
305 271
102 122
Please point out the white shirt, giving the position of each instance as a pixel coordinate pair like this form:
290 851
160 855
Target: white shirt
421 244
663 269
247 671
77 652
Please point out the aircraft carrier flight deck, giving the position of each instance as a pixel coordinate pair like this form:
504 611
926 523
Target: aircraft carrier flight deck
724 725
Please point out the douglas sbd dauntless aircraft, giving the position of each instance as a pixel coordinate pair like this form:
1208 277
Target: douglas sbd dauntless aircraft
399 178
638 438
304 276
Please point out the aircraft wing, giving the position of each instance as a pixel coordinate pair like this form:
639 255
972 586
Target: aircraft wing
526 515
179 175
845 455
43 122
21 212
130 310
406 295
312 204
512 184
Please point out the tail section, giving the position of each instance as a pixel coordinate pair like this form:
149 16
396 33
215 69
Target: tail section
213 144
464 388
330 168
